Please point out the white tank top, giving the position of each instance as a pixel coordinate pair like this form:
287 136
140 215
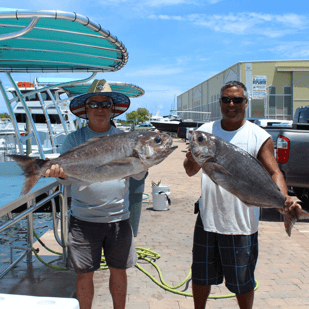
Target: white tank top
221 211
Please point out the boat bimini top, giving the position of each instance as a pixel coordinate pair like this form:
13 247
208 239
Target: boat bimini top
56 41
52 41
130 90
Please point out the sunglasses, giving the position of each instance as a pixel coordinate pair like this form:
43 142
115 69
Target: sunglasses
236 100
105 104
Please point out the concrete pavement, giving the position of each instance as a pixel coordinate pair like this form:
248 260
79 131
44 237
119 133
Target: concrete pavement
282 269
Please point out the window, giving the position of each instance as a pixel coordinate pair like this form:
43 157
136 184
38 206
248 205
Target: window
20 117
304 116
271 105
271 90
34 97
279 105
287 106
257 108
287 90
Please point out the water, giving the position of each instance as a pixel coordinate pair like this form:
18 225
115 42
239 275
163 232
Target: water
16 235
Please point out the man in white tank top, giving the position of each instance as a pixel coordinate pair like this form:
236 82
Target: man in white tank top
226 231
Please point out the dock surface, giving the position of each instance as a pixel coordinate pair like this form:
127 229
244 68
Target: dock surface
282 268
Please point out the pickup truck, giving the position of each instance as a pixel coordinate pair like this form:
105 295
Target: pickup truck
292 152
184 126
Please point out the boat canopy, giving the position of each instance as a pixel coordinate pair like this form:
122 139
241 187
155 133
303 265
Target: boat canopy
132 91
56 41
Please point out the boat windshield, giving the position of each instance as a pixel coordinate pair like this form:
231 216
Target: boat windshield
34 97
38 118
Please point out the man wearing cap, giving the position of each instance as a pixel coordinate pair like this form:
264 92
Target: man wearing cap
100 212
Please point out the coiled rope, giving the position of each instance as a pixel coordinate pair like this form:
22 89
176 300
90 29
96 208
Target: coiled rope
146 255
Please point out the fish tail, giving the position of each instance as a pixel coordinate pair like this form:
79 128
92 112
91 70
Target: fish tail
292 216
32 169
289 221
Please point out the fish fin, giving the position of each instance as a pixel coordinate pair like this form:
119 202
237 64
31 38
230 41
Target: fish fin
292 216
221 169
32 169
219 173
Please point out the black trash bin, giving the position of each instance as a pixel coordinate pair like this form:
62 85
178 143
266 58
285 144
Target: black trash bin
136 190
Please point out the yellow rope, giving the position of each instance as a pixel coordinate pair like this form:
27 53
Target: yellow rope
146 255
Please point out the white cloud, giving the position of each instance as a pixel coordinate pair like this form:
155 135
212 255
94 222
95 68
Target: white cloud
167 17
183 60
270 25
292 50
293 20
205 59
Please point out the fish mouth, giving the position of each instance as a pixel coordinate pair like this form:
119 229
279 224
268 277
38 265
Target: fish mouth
169 148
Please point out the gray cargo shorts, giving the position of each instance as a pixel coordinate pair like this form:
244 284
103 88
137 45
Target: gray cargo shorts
87 239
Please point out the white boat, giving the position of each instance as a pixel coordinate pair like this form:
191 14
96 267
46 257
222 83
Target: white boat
37 110
168 123
49 118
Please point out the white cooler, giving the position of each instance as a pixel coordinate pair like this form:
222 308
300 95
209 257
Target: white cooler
12 301
160 197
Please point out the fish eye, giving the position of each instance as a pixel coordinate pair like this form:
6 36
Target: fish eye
200 138
158 139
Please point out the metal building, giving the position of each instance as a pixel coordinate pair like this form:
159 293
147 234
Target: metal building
275 89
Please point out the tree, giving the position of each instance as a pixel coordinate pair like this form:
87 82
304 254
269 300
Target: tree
140 115
4 115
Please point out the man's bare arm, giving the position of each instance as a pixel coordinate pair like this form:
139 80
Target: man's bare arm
268 160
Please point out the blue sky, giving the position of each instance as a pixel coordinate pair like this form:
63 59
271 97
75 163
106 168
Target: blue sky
174 45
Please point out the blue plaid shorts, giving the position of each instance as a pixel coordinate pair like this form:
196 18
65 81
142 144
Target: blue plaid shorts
218 256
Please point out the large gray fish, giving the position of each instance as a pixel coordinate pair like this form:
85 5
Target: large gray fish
241 174
103 158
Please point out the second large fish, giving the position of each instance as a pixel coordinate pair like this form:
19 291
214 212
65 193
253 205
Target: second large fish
103 158
240 174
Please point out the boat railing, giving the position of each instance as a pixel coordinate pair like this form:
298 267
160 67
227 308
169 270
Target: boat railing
53 190
31 126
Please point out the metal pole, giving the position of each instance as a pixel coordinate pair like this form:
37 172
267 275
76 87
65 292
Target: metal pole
30 232
22 32
292 95
64 222
65 128
48 122
13 118
28 130
29 116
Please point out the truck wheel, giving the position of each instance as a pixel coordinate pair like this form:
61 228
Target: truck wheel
302 194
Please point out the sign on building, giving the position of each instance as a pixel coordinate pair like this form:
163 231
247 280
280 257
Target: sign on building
259 84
